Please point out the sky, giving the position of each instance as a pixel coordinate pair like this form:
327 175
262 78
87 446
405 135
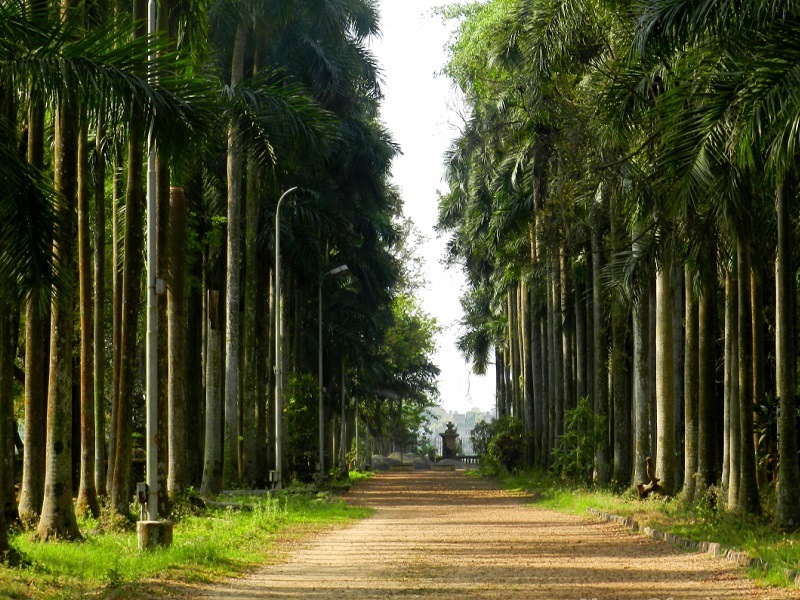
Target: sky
419 110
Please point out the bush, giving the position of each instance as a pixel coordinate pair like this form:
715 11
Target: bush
480 436
506 449
583 429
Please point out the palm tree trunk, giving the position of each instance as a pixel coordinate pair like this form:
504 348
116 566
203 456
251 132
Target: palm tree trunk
787 508
678 340
116 310
8 500
233 316
641 387
602 472
194 389
665 366
212 469
527 368
98 316
58 514
759 360
499 382
732 385
690 370
87 491
706 377
620 397
254 429
176 344
37 318
557 413
748 484
162 334
581 354
131 293
567 333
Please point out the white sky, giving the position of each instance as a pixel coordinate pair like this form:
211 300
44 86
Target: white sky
418 110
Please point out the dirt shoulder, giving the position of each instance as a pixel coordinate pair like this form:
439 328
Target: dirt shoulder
446 535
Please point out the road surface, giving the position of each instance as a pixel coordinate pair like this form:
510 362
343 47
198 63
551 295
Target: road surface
447 535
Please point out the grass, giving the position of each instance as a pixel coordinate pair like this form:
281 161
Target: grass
207 547
703 520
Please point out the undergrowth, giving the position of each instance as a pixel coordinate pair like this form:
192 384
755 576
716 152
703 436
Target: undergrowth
209 544
705 519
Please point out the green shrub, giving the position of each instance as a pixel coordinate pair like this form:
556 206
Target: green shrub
583 429
481 435
506 449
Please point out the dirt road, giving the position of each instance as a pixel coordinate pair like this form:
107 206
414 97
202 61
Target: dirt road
446 535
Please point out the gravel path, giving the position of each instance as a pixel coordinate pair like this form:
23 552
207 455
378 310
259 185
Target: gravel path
446 535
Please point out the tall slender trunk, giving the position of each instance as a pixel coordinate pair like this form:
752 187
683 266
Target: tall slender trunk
194 389
233 315
641 386
527 368
499 382
621 401
665 365
8 500
212 469
132 269
512 349
581 355
87 491
98 315
58 514
163 235
538 377
37 331
116 310
558 351
732 374
690 371
567 333
757 350
787 509
707 383
748 484
678 341
176 343
602 471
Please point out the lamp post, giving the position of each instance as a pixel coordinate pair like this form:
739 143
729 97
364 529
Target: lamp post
278 358
321 464
151 343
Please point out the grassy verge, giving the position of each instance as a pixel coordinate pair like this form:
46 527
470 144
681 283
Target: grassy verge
209 546
703 520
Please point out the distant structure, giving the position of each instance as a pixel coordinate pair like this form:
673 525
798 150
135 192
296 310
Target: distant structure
463 422
449 437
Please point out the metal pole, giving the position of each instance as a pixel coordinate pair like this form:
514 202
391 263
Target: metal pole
278 358
151 358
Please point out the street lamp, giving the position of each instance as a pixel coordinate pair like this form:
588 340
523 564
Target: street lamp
321 464
278 359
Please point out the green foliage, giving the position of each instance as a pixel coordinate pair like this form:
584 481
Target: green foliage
480 436
208 546
506 450
583 430
302 424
